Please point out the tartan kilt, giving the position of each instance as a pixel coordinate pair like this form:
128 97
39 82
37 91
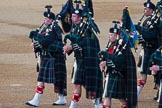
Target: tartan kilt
157 80
78 73
160 102
80 76
114 86
144 69
60 74
46 71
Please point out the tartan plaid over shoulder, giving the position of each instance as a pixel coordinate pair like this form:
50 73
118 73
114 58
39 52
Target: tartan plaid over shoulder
124 63
59 66
53 45
131 81
93 75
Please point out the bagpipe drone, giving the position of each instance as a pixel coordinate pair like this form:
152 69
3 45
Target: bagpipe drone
36 34
87 22
128 37
155 19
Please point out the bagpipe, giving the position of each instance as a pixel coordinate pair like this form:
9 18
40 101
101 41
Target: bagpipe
127 30
155 17
118 46
65 15
88 19
34 35
127 37
54 26
156 58
87 22
105 56
68 9
46 29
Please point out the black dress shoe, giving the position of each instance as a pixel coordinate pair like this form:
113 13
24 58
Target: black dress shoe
27 103
58 104
155 98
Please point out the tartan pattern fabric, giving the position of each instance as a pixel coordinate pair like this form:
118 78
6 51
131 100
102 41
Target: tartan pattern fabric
53 70
150 35
150 45
88 72
114 86
52 65
145 66
56 47
46 71
78 72
156 59
160 101
131 79
60 74
60 67
91 61
124 86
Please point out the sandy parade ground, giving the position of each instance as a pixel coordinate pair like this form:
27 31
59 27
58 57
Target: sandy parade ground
17 61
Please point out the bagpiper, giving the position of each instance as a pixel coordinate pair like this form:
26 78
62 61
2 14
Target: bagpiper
149 32
156 69
118 64
85 45
47 42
